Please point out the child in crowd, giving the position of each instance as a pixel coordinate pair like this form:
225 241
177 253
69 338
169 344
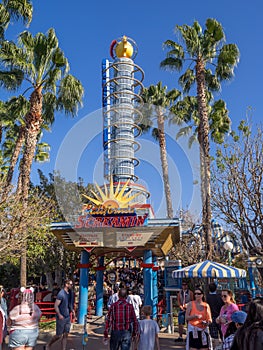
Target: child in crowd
148 331
238 319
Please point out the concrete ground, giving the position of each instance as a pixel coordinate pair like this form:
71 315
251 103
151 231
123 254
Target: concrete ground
95 329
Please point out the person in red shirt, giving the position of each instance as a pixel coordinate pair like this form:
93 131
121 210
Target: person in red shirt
122 321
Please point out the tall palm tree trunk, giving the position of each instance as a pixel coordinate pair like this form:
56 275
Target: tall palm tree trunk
205 145
202 168
33 126
164 162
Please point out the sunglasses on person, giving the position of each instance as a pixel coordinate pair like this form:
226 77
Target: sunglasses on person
224 295
198 293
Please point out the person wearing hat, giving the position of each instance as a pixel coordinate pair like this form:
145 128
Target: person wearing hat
238 318
23 322
183 298
250 335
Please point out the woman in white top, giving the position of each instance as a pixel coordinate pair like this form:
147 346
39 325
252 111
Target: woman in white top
23 322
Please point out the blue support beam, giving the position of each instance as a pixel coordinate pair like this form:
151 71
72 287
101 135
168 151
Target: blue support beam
147 277
83 287
155 288
99 287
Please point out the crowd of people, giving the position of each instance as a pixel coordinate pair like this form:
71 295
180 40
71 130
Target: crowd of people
213 319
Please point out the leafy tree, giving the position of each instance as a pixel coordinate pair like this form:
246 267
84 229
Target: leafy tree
158 102
237 186
50 256
37 217
207 62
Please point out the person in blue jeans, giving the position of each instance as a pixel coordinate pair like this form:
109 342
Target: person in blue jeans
64 307
122 322
184 296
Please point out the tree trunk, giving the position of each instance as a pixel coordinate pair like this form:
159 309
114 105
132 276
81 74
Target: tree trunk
33 126
163 155
58 276
202 175
49 280
13 161
205 146
23 265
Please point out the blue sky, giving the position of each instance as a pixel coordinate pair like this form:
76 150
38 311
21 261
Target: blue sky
85 30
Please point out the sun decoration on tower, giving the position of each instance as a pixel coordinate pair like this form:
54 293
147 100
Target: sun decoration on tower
113 198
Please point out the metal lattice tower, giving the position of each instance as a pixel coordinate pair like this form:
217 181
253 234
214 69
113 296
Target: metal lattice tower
121 86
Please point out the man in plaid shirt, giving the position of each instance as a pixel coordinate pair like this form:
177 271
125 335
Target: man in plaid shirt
123 323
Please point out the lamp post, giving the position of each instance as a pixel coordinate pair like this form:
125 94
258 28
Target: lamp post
228 246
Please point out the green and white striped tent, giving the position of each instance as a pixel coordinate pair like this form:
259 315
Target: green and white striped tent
209 269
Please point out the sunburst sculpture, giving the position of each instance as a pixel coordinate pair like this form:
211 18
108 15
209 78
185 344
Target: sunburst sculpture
113 199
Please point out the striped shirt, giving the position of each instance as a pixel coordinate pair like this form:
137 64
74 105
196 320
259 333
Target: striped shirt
121 317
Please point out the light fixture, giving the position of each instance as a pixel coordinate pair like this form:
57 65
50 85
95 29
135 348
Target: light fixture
228 246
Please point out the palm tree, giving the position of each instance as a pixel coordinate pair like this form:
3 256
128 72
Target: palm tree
13 124
45 69
17 10
210 62
186 111
157 96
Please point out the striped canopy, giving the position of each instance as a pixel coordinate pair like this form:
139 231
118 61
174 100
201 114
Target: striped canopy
209 269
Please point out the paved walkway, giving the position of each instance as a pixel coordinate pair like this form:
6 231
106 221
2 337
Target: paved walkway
95 342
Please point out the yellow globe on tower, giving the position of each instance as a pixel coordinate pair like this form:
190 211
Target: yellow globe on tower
124 48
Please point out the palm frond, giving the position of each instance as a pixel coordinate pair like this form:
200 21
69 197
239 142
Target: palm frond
13 56
52 39
187 80
49 107
172 64
183 132
11 79
192 139
17 108
4 17
70 95
191 39
214 30
42 152
20 9
26 39
53 76
228 58
212 81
